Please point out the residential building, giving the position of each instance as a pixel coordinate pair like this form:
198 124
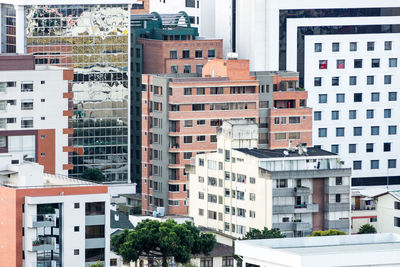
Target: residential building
321 251
34 111
161 44
388 211
50 220
140 7
180 116
241 187
363 207
92 38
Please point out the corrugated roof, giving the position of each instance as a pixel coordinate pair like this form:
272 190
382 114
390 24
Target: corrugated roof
395 194
279 153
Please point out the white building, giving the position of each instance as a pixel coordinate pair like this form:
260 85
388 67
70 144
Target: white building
327 251
388 211
32 106
48 220
240 187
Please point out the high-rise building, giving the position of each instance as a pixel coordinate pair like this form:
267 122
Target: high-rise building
92 38
50 220
34 111
240 187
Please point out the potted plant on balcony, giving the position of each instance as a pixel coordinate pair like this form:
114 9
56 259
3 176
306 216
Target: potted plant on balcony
36 243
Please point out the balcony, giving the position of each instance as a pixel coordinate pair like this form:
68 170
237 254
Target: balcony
292 226
49 263
337 224
44 220
331 207
302 191
283 209
306 208
43 243
337 189
282 192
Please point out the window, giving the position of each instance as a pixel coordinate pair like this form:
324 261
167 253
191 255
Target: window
76 205
173 54
387 79
317 47
357 97
201 212
357 165
252 196
339 131
317 115
387 147
352 148
113 262
322 98
396 222
352 114
374 130
374 164
43 100
198 107
392 163
387 113
27 104
375 97
340 64
187 139
94 208
213 138
188 123
211 53
76 251
392 62
185 54
201 138
227 261
76 228
199 53
281 183
370 46
370 80
26 86
276 120
353 80
335 47
187 69
337 198
174 69
212 215
335 149
392 129
322 132
201 122
339 181
323 64
294 120
190 3
206 261
392 96
357 63
353 46
370 113
335 115
357 131
188 91
252 180
317 81
94 231
369 147
335 81
201 179
388 45
375 62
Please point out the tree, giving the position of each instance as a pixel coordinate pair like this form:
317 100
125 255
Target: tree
264 234
328 232
367 229
97 264
152 238
93 175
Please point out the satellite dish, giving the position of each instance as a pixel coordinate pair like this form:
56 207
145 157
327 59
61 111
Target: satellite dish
286 153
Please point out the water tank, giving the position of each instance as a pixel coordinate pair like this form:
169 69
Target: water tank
161 211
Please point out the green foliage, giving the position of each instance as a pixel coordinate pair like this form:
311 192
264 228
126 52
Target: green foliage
328 232
152 238
367 229
93 175
264 234
97 264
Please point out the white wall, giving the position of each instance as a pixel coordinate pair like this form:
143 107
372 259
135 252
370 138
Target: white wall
386 213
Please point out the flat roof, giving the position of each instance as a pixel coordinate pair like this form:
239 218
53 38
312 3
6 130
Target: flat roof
280 153
7 172
65 2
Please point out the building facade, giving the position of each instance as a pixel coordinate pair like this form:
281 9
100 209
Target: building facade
388 212
50 220
34 107
240 187
92 38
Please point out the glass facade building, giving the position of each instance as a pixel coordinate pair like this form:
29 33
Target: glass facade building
94 41
8 29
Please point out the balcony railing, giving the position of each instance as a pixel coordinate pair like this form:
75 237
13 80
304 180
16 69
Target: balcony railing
44 220
43 243
302 191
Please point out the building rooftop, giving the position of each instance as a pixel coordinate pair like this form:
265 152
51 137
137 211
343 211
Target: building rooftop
283 153
118 220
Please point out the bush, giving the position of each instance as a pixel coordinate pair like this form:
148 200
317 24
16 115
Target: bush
367 229
328 232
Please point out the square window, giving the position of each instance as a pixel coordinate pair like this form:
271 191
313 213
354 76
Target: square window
174 69
339 131
317 115
375 97
173 54
357 131
388 45
211 53
339 180
392 96
370 46
352 148
335 47
375 62
187 155
357 63
322 132
76 228
339 98
42 82
322 98
187 91
388 79
76 205
374 164
76 251
387 113
357 97
335 115
392 62
199 53
317 81
187 139
357 164
335 81
374 130
353 80
392 163
317 47
370 147
323 64
352 114
353 46
370 113
392 129
335 149
186 54
387 147
187 69
370 80
188 123
340 64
